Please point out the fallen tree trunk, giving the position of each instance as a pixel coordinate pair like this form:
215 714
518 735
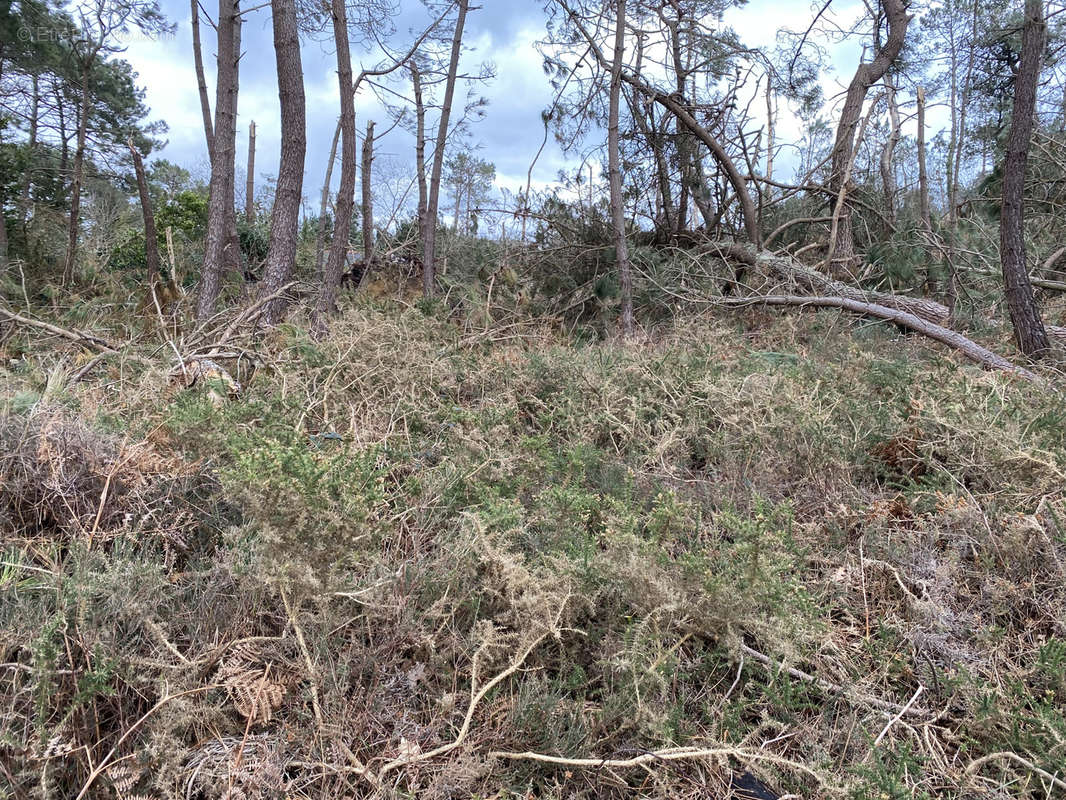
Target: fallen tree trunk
967 347
87 339
817 283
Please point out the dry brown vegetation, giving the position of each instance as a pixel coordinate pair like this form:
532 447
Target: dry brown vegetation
430 558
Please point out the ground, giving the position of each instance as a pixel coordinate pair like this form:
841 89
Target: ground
795 551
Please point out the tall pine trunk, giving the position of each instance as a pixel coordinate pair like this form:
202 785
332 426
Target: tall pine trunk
614 172
249 177
342 216
220 206
285 216
429 234
79 172
1029 329
420 152
151 238
368 197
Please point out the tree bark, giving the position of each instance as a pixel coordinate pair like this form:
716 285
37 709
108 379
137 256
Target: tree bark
79 171
285 215
923 190
866 75
888 174
795 273
429 237
151 238
31 147
368 197
420 152
342 214
249 179
614 172
220 205
1029 329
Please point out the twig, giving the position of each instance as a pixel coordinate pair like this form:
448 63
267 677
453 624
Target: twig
87 367
306 653
898 716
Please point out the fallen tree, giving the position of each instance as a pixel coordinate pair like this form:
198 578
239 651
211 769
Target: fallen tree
967 347
815 282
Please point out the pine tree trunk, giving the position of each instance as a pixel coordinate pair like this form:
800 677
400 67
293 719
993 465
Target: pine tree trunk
201 81
429 243
1029 329
285 215
151 238
249 178
888 175
923 190
368 197
420 152
25 202
79 171
342 215
614 172
220 206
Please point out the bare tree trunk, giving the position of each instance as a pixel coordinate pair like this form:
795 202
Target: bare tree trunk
923 189
151 238
368 197
771 128
420 152
31 147
249 179
614 171
201 81
220 205
79 171
843 151
1029 329
888 174
285 215
320 234
342 215
959 139
429 267
232 250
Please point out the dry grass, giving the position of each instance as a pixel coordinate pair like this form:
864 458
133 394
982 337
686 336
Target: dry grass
445 559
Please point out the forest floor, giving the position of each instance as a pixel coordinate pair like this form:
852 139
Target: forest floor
796 552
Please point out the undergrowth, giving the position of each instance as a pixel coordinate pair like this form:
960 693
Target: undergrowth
823 552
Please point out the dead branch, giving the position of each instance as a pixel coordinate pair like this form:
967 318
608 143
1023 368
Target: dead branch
80 337
670 754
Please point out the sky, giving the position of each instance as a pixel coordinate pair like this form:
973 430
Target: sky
503 32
